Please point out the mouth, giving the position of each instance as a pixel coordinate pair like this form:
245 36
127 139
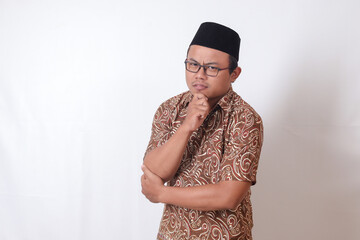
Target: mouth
199 86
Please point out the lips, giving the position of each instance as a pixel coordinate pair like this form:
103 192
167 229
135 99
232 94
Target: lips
199 86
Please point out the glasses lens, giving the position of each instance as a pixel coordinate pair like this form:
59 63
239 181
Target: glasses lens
212 71
192 67
195 67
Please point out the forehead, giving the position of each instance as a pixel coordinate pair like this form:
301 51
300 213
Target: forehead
205 54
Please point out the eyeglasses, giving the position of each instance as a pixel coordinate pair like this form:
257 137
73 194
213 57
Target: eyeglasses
210 71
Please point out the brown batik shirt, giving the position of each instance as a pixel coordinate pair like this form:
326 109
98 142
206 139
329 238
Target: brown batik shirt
225 147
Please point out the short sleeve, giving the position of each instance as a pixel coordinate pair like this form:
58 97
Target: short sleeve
161 127
242 150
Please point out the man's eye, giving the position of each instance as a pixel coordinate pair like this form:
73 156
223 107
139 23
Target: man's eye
212 67
194 64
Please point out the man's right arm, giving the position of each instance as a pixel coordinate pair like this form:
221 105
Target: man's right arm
165 160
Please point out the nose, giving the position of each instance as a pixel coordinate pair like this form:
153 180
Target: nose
201 73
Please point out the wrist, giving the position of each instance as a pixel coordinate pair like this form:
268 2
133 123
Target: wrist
185 130
162 194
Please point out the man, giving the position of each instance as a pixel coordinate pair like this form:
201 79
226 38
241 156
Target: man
205 145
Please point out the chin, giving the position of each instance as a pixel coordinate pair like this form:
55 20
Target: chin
199 91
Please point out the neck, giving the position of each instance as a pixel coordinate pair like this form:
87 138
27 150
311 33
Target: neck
213 102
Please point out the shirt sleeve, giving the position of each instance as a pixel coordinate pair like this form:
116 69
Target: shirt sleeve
242 150
161 127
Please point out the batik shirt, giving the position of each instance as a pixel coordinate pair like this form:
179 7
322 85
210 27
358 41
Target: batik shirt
225 147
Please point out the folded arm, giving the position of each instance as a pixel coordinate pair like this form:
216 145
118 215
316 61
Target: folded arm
165 160
223 195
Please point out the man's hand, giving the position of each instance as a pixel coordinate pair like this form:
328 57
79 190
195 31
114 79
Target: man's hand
197 111
151 184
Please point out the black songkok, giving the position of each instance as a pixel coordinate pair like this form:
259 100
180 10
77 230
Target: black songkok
219 37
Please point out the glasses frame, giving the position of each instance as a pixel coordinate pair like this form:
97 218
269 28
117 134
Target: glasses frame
205 68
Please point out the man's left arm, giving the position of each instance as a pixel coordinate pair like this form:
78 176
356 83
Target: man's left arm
223 195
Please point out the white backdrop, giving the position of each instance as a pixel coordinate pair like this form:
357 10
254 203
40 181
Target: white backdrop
81 80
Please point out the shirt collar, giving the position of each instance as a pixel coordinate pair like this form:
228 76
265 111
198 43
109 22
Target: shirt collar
226 99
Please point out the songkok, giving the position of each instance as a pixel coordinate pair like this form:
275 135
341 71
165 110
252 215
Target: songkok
219 37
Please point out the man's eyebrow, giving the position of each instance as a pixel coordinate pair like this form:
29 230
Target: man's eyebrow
209 63
212 63
193 60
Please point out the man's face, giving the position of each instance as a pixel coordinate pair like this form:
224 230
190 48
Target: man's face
214 88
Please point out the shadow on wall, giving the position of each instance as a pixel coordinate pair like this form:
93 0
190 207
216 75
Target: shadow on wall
309 168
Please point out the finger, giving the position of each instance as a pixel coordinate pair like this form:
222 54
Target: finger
143 168
198 96
203 102
142 183
202 109
143 179
146 171
201 115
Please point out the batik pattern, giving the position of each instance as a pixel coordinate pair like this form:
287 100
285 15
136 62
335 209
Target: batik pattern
226 147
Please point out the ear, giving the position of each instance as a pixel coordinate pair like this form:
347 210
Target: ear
235 74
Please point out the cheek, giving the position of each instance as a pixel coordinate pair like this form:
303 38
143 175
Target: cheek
223 86
188 78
